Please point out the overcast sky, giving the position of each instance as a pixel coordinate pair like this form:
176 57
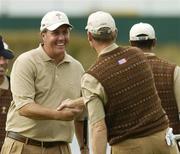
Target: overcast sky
84 7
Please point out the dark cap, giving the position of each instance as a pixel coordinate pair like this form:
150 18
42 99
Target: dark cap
6 53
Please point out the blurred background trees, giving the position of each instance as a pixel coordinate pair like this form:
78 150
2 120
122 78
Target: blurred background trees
20 22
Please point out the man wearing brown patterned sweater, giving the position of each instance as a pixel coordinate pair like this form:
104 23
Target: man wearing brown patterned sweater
119 92
166 74
5 93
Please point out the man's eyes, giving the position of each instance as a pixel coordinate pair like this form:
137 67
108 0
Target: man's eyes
60 33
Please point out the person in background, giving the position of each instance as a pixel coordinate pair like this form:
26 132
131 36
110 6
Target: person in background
41 80
119 91
166 74
5 92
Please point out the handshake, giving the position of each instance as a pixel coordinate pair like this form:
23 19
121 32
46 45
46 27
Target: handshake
72 108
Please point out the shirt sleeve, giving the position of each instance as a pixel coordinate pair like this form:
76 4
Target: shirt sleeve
22 82
94 97
177 85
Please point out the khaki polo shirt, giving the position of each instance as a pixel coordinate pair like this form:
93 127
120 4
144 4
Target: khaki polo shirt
95 96
36 78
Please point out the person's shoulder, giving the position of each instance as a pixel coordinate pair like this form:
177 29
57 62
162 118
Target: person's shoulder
27 55
166 61
134 49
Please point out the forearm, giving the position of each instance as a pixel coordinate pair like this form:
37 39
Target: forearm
36 111
79 132
81 137
99 137
78 102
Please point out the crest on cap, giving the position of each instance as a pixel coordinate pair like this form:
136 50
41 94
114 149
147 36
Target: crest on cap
54 19
58 15
141 31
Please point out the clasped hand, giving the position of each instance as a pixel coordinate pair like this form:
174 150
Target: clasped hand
71 108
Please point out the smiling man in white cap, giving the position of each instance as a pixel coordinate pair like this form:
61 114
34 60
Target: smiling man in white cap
41 79
118 90
166 74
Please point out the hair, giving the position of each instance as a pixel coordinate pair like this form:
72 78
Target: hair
105 34
145 44
45 29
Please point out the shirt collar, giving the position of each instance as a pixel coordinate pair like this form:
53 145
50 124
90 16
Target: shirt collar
45 57
149 54
5 84
108 48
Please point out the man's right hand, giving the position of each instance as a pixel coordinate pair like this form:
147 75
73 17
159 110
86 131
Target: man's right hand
68 103
68 114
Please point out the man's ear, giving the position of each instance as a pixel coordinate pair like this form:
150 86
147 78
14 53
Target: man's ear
89 36
43 34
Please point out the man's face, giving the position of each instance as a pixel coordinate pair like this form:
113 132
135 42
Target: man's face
55 41
3 65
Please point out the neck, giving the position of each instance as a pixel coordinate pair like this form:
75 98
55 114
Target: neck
59 58
147 50
100 46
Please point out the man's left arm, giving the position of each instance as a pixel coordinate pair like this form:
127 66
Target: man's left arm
99 137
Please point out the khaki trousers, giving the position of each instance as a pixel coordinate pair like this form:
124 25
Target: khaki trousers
12 146
152 144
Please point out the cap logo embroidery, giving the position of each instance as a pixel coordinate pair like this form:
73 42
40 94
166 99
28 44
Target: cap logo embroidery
3 110
58 15
122 61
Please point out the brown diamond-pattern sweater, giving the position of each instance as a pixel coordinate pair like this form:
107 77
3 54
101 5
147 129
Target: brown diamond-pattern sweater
133 108
5 100
164 79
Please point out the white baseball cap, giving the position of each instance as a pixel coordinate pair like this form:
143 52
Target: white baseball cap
137 30
99 20
53 19
5 45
